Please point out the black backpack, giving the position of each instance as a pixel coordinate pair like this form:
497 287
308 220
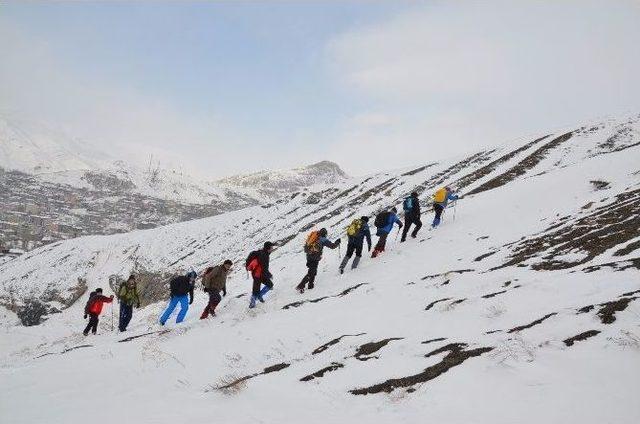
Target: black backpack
381 219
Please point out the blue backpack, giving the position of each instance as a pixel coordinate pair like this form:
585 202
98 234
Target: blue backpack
407 205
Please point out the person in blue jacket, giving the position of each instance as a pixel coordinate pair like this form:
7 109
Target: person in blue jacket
384 224
316 241
182 293
440 200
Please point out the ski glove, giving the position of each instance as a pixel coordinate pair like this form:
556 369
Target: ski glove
224 292
137 305
85 316
190 300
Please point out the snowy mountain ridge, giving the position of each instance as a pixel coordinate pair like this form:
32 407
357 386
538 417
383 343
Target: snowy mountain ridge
53 156
526 295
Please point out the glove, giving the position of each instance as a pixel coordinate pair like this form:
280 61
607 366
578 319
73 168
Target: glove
190 300
369 248
85 316
137 305
338 241
400 224
224 292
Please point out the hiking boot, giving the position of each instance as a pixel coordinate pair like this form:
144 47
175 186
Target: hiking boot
259 297
341 270
375 253
300 290
311 286
86 333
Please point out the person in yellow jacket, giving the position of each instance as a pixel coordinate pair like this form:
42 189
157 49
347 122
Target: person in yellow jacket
127 297
440 200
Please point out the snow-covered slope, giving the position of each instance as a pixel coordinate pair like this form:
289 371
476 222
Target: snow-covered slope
522 307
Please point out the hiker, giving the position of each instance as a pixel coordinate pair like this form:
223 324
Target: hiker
93 308
411 206
357 232
440 200
384 224
180 286
127 297
214 281
316 242
258 264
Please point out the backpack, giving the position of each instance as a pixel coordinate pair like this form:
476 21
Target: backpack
354 228
381 219
206 283
92 300
253 256
407 205
312 245
440 195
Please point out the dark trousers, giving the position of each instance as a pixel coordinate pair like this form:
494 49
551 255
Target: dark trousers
258 282
437 208
126 312
351 249
93 324
354 248
214 300
382 241
310 277
408 220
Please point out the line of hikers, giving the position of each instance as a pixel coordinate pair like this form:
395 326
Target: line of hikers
214 279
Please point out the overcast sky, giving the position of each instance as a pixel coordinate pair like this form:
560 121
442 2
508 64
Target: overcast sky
228 87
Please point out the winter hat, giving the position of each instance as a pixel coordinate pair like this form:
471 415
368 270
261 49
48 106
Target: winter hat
228 262
98 290
323 232
364 218
192 275
414 194
268 245
131 277
394 210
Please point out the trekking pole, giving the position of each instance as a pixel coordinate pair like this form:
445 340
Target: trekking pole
398 233
112 317
455 204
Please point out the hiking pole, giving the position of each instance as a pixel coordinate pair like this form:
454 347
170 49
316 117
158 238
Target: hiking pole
455 204
398 233
112 317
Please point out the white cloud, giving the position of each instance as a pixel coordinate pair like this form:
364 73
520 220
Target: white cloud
461 75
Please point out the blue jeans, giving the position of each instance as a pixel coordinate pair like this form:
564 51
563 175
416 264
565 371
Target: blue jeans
173 302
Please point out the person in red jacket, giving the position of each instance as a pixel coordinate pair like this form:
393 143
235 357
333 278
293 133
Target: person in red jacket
93 308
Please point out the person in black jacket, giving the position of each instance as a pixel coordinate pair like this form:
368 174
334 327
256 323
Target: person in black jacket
258 264
313 248
411 206
180 286
356 241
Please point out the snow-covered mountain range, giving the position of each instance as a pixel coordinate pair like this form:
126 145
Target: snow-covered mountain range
521 308
58 187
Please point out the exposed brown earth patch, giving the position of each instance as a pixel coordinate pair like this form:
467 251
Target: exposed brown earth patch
432 304
531 324
341 294
580 337
365 351
439 339
320 373
490 295
592 234
333 342
607 311
523 166
456 355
